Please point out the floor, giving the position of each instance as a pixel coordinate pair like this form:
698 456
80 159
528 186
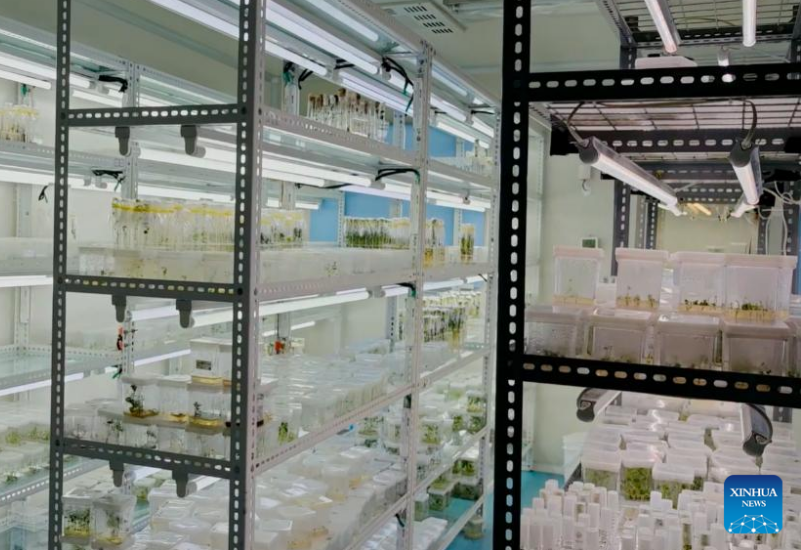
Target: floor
532 483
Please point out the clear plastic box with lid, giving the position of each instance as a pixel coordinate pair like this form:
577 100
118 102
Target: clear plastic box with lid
576 274
758 348
636 477
758 287
699 279
600 468
112 518
620 335
671 479
794 356
555 331
141 395
688 341
174 397
639 277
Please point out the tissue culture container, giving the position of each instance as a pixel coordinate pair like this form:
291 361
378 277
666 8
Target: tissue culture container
758 348
77 516
554 331
620 335
576 274
174 397
601 469
699 278
639 277
758 287
141 395
112 516
206 404
688 341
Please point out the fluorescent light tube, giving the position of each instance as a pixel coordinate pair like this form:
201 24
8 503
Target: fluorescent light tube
376 192
38 69
163 357
312 172
448 108
665 26
749 22
702 209
34 178
199 16
742 207
439 75
456 201
745 162
483 127
232 30
283 16
345 19
15 281
27 80
445 127
374 91
607 160
279 51
301 326
462 206
673 209
97 98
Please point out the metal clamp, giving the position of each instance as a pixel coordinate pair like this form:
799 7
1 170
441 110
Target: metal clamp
123 135
120 303
190 134
184 308
591 402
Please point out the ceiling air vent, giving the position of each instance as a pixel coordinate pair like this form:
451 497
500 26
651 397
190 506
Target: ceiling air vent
426 14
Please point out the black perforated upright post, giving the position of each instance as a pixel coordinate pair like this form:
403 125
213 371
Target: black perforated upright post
511 273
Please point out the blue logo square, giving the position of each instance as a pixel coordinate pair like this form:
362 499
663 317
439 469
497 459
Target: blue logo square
753 504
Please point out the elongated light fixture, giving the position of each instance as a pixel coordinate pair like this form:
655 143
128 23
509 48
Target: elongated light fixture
220 25
665 26
345 19
284 17
457 132
40 70
745 161
598 155
483 127
742 207
25 280
448 108
374 91
97 98
34 178
702 209
749 22
27 80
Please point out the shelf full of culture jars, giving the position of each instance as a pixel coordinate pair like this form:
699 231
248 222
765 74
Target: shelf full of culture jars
175 240
395 233
654 470
720 311
189 411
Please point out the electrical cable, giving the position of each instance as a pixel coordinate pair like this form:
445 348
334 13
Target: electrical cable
570 128
748 140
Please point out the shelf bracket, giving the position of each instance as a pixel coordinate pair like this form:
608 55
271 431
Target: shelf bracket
592 402
190 134
182 483
757 429
184 308
120 303
123 135
118 472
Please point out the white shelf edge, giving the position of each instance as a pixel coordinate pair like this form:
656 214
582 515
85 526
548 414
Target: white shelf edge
377 523
311 439
427 379
430 478
457 527
34 486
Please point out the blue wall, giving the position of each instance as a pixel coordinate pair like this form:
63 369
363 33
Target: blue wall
441 144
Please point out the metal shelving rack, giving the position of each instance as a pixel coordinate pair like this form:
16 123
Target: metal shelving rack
246 294
667 149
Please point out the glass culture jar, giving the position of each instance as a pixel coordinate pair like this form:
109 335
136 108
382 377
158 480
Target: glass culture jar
205 442
174 397
112 516
141 395
206 404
